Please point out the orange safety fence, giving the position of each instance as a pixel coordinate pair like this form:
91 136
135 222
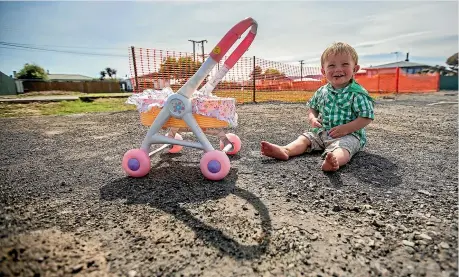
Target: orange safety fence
254 79
418 82
395 80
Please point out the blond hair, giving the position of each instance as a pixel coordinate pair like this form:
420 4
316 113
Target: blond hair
339 48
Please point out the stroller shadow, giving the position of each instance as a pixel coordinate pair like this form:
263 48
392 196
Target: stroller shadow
167 187
369 168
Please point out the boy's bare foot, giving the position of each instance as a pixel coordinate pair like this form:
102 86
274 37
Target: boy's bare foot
330 163
274 151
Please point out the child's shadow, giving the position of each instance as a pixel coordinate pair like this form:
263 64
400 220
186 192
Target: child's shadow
371 169
173 184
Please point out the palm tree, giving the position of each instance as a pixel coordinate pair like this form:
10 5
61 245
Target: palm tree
109 71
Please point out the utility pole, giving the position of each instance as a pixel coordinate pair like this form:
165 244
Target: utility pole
194 49
301 69
202 47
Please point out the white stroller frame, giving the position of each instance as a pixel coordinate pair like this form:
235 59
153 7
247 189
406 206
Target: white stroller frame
217 165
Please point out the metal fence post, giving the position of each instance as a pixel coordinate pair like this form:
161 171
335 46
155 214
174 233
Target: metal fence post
135 69
254 90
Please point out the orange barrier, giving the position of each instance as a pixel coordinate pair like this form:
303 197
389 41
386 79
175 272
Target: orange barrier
254 79
419 83
396 81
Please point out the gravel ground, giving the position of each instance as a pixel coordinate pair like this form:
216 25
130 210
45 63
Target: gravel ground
67 208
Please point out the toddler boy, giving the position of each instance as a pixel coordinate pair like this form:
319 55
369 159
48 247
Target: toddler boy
338 113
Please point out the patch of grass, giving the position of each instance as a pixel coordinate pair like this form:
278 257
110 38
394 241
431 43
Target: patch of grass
64 107
71 93
118 104
126 94
48 93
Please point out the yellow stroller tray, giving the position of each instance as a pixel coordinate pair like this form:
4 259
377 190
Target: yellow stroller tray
205 122
208 110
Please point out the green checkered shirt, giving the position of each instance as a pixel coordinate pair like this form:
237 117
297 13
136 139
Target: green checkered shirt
341 106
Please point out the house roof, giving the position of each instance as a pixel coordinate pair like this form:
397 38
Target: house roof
69 77
403 64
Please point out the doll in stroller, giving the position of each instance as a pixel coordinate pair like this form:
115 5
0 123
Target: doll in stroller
188 109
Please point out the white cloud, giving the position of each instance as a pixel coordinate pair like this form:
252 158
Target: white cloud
395 38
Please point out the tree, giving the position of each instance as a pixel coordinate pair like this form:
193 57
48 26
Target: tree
32 71
269 74
111 72
257 73
186 67
452 62
168 68
273 74
180 69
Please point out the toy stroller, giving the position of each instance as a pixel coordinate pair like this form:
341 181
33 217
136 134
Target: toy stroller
179 112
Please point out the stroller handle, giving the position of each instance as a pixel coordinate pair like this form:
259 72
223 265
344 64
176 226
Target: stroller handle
218 52
230 38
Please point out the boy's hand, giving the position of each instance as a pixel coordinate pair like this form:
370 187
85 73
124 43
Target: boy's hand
345 129
315 122
339 131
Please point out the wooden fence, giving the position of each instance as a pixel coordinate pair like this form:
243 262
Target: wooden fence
82 86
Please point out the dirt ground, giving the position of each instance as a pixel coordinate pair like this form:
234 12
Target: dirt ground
67 208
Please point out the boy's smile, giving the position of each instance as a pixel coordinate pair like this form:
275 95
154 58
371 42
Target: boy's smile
337 78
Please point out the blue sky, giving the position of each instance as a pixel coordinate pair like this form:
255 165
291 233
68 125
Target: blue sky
288 31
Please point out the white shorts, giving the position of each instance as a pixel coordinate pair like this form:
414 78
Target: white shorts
324 142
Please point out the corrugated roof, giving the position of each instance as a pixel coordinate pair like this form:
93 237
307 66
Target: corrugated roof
68 77
398 64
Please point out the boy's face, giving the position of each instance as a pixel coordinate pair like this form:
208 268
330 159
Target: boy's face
339 69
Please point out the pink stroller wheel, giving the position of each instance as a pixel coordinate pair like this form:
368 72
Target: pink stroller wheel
136 163
235 140
176 148
215 165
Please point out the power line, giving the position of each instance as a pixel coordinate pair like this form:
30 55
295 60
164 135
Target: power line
19 47
66 52
53 50
61 46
